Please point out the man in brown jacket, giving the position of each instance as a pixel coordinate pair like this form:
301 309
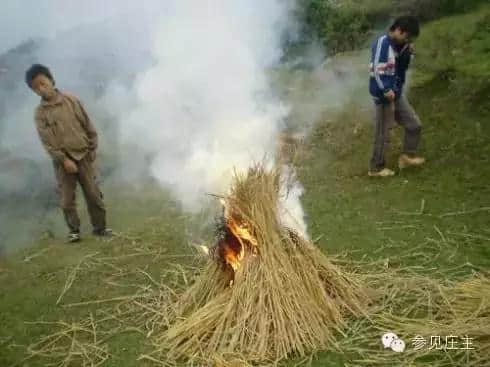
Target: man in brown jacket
70 139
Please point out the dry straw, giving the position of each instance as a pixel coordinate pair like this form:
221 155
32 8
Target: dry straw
287 298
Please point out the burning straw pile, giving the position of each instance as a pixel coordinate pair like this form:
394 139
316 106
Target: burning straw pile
267 293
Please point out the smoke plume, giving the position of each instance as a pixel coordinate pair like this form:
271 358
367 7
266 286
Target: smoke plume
180 92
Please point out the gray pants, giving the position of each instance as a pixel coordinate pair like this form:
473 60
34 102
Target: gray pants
386 114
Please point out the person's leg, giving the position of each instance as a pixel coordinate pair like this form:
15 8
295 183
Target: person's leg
384 121
67 184
406 116
92 193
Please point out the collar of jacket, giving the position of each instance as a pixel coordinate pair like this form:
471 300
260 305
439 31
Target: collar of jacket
399 49
55 101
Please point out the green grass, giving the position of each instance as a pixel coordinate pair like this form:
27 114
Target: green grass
354 211
32 280
350 211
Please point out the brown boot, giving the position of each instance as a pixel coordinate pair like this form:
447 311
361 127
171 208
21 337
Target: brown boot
406 161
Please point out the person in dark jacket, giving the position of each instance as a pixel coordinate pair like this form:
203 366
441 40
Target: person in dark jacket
390 58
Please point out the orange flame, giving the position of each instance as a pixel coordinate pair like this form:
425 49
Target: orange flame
237 241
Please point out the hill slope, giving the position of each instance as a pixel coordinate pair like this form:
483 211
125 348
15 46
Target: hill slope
446 203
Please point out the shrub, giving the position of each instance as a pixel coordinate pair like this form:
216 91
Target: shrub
340 27
344 25
432 9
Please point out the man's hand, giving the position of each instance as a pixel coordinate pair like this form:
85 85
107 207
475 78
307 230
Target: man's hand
390 95
70 166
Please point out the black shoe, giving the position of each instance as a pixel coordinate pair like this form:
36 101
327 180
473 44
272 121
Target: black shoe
73 237
105 232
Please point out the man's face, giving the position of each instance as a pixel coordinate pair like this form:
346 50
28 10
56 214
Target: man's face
401 37
43 86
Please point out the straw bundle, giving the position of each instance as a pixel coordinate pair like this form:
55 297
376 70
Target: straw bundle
281 297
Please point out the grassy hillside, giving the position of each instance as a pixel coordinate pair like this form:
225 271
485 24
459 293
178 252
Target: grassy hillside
450 92
442 207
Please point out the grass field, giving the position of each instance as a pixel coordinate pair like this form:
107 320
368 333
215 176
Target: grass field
445 204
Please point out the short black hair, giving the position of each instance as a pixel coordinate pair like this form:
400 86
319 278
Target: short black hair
35 70
407 23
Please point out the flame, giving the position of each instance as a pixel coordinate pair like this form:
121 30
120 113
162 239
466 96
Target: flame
238 239
232 257
241 233
234 246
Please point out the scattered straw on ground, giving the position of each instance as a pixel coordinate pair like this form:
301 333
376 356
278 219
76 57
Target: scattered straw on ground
286 299
75 344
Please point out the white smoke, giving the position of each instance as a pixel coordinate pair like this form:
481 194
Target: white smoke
21 20
206 107
180 89
290 208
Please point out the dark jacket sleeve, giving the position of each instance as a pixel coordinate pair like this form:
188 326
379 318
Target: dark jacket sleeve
403 64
